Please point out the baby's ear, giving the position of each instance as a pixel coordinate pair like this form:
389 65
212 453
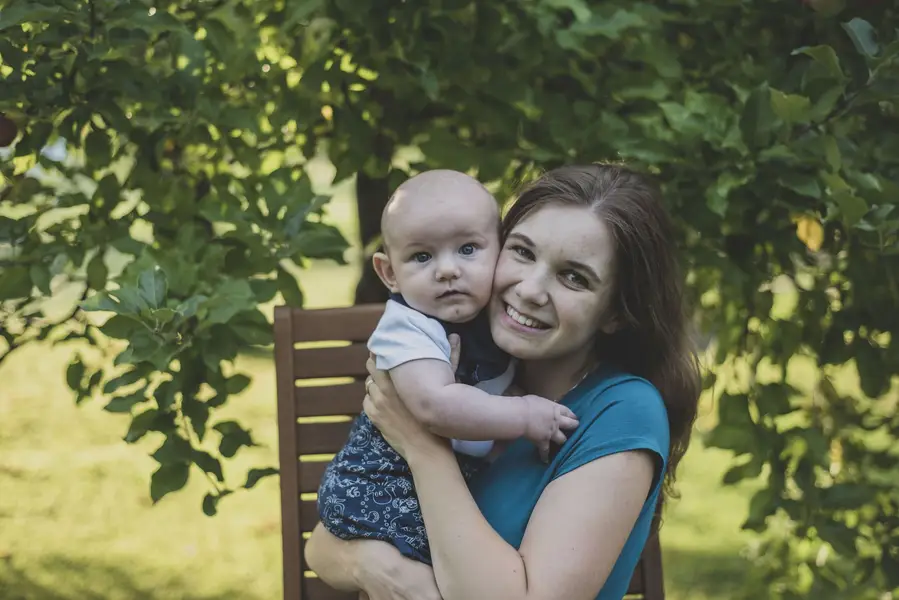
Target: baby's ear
381 263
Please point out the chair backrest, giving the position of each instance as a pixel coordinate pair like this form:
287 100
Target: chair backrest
320 359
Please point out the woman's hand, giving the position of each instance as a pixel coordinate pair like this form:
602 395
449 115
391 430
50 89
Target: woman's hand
386 575
396 423
371 565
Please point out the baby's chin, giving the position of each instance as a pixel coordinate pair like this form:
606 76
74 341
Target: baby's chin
455 311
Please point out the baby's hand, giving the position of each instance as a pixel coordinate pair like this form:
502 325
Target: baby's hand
547 422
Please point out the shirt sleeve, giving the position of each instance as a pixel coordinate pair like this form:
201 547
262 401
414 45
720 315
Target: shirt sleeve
404 334
631 417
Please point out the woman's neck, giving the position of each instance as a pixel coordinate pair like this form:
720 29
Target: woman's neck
554 378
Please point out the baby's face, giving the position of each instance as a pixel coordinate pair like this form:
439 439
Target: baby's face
443 253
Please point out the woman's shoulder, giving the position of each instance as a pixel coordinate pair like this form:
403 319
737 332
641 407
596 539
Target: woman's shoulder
607 387
617 405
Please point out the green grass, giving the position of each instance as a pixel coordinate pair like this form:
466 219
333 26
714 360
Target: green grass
76 520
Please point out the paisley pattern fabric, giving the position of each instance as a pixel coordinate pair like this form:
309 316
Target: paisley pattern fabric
367 492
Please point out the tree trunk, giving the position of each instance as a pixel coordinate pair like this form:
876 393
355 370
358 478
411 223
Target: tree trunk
371 197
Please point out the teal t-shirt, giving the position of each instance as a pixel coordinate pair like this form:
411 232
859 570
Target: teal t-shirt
617 413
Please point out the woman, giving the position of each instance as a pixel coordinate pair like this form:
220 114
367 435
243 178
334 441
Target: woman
588 296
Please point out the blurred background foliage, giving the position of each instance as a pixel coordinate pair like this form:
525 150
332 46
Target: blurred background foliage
160 192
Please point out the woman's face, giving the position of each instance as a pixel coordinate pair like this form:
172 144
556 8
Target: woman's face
552 285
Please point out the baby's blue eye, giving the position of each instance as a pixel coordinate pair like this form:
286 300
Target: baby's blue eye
421 257
467 250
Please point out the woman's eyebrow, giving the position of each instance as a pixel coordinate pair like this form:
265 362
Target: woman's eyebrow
521 238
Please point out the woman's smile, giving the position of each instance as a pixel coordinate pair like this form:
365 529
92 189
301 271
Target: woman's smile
523 321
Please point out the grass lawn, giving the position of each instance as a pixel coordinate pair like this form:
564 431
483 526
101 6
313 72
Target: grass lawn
76 520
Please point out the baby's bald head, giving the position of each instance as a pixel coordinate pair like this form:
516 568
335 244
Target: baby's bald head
441 243
434 197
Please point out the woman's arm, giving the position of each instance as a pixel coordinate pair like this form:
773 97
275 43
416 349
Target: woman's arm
573 539
373 566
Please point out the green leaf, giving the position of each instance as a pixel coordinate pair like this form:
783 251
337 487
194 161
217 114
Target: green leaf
189 307
124 404
233 438
130 300
802 183
168 478
152 286
735 430
253 328
40 277
749 469
760 507
873 373
264 289
289 288
228 299
717 195
163 315
839 536
321 241
140 425
832 153
255 475
237 383
824 55
26 12
120 327
773 400
852 207
15 282
208 463
757 119
175 449
98 148
847 496
198 413
75 373
124 380
792 108
166 392
97 272
210 502
579 8
863 36
611 27
100 302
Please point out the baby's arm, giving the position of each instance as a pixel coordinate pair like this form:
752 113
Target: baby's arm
454 410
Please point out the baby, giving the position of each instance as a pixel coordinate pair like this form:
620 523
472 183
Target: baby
441 243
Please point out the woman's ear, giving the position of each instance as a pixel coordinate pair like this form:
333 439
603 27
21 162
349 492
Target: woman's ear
609 327
611 324
381 263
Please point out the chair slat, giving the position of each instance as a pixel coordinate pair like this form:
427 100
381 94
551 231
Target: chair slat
340 361
311 475
321 438
308 515
351 324
326 400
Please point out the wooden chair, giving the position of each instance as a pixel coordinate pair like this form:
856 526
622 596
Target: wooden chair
320 366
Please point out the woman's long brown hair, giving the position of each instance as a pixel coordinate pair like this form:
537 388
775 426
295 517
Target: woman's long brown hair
653 338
